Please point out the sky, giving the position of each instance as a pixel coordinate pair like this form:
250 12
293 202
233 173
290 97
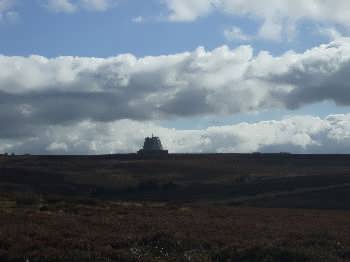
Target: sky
97 76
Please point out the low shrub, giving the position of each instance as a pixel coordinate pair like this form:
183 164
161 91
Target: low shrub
148 185
27 199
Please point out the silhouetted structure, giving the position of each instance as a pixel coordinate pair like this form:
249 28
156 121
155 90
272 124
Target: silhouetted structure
152 147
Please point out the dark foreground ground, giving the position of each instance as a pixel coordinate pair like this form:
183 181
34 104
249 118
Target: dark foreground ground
182 208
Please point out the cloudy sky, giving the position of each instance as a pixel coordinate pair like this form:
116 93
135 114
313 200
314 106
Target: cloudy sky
97 76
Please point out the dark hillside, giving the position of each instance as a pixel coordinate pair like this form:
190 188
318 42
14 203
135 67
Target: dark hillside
275 180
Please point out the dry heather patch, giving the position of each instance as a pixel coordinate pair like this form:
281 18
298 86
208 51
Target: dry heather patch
71 229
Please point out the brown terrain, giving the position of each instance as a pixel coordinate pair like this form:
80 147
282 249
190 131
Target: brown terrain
210 207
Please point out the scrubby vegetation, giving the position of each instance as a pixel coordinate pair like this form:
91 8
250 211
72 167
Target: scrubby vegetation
183 208
71 229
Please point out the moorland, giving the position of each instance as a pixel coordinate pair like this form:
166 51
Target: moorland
184 207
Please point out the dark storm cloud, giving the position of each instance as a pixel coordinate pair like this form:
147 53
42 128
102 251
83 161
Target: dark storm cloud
317 79
188 102
21 113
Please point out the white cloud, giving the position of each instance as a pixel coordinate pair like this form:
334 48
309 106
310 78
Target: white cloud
7 13
221 81
59 95
64 6
138 19
97 5
299 134
12 16
57 147
271 30
5 5
235 33
330 32
71 6
276 16
184 10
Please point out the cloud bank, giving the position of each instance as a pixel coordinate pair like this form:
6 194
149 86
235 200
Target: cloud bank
299 134
45 103
235 33
223 81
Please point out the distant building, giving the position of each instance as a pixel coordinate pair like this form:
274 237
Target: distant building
152 147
